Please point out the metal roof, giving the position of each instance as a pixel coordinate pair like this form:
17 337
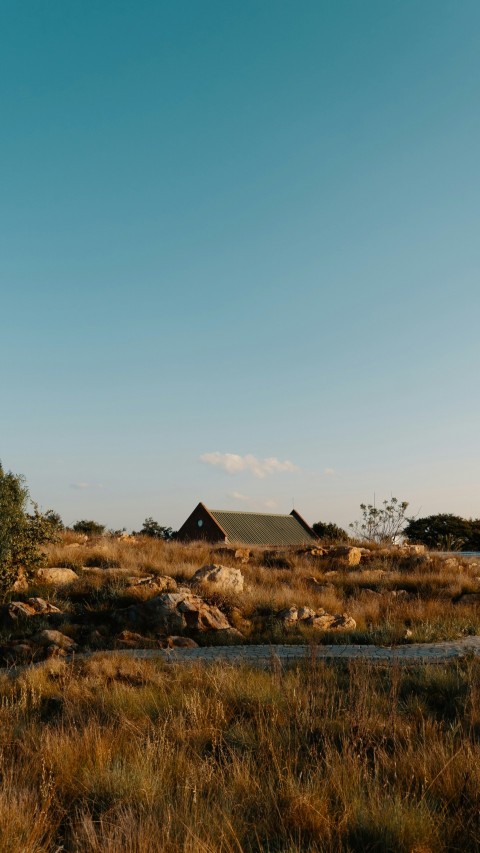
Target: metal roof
255 528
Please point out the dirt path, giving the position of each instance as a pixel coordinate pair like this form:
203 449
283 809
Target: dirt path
265 656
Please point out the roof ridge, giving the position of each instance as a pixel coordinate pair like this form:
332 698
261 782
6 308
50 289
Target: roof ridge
252 512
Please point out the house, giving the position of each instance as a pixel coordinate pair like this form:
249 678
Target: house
246 528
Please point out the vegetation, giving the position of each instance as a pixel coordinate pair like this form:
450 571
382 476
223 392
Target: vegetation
89 528
330 532
115 755
21 533
122 756
155 530
394 596
445 532
381 524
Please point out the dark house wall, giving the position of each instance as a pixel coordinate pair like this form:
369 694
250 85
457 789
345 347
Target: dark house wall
209 530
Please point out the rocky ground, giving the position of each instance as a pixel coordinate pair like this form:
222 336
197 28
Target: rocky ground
99 596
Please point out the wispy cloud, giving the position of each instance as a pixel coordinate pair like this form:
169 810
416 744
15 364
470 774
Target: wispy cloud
253 502
239 497
82 486
233 463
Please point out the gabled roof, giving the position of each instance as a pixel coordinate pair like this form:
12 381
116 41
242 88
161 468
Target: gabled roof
256 528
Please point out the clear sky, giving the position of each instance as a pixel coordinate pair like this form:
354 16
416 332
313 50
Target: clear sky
239 255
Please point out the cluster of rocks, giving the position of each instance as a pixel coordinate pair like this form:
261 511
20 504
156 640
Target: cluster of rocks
350 556
175 612
319 619
165 613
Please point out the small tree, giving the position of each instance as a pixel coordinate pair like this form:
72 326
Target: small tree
445 531
330 531
21 533
89 528
381 524
155 530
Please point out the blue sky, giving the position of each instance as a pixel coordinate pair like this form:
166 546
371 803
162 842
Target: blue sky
234 232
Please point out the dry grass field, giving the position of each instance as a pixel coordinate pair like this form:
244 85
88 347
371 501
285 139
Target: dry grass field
115 755
119 756
392 598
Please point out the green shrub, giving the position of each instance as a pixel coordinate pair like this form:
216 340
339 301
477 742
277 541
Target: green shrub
21 533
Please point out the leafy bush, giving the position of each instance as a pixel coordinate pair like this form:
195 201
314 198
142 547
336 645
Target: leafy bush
330 531
89 528
21 533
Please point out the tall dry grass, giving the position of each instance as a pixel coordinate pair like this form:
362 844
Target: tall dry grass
131 757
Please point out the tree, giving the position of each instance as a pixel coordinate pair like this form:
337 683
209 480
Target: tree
21 533
89 528
445 532
381 524
330 531
155 530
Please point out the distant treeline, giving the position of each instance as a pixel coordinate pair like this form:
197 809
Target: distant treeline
445 532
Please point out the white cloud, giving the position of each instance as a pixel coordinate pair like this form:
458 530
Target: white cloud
253 502
82 486
232 463
239 497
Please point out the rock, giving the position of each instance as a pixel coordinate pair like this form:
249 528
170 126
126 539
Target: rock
450 563
414 549
180 643
305 613
349 555
131 640
242 555
288 615
200 616
400 594
172 613
32 607
317 619
57 576
223 578
21 583
276 560
370 593
315 551
54 638
159 584
96 640
56 652
469 598
327 622
23 651
320 587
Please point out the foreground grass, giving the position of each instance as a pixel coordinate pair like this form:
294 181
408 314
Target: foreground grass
121 756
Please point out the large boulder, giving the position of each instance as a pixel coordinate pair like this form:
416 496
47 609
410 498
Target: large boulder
57 576
56 639
221 578
173 613
349 555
